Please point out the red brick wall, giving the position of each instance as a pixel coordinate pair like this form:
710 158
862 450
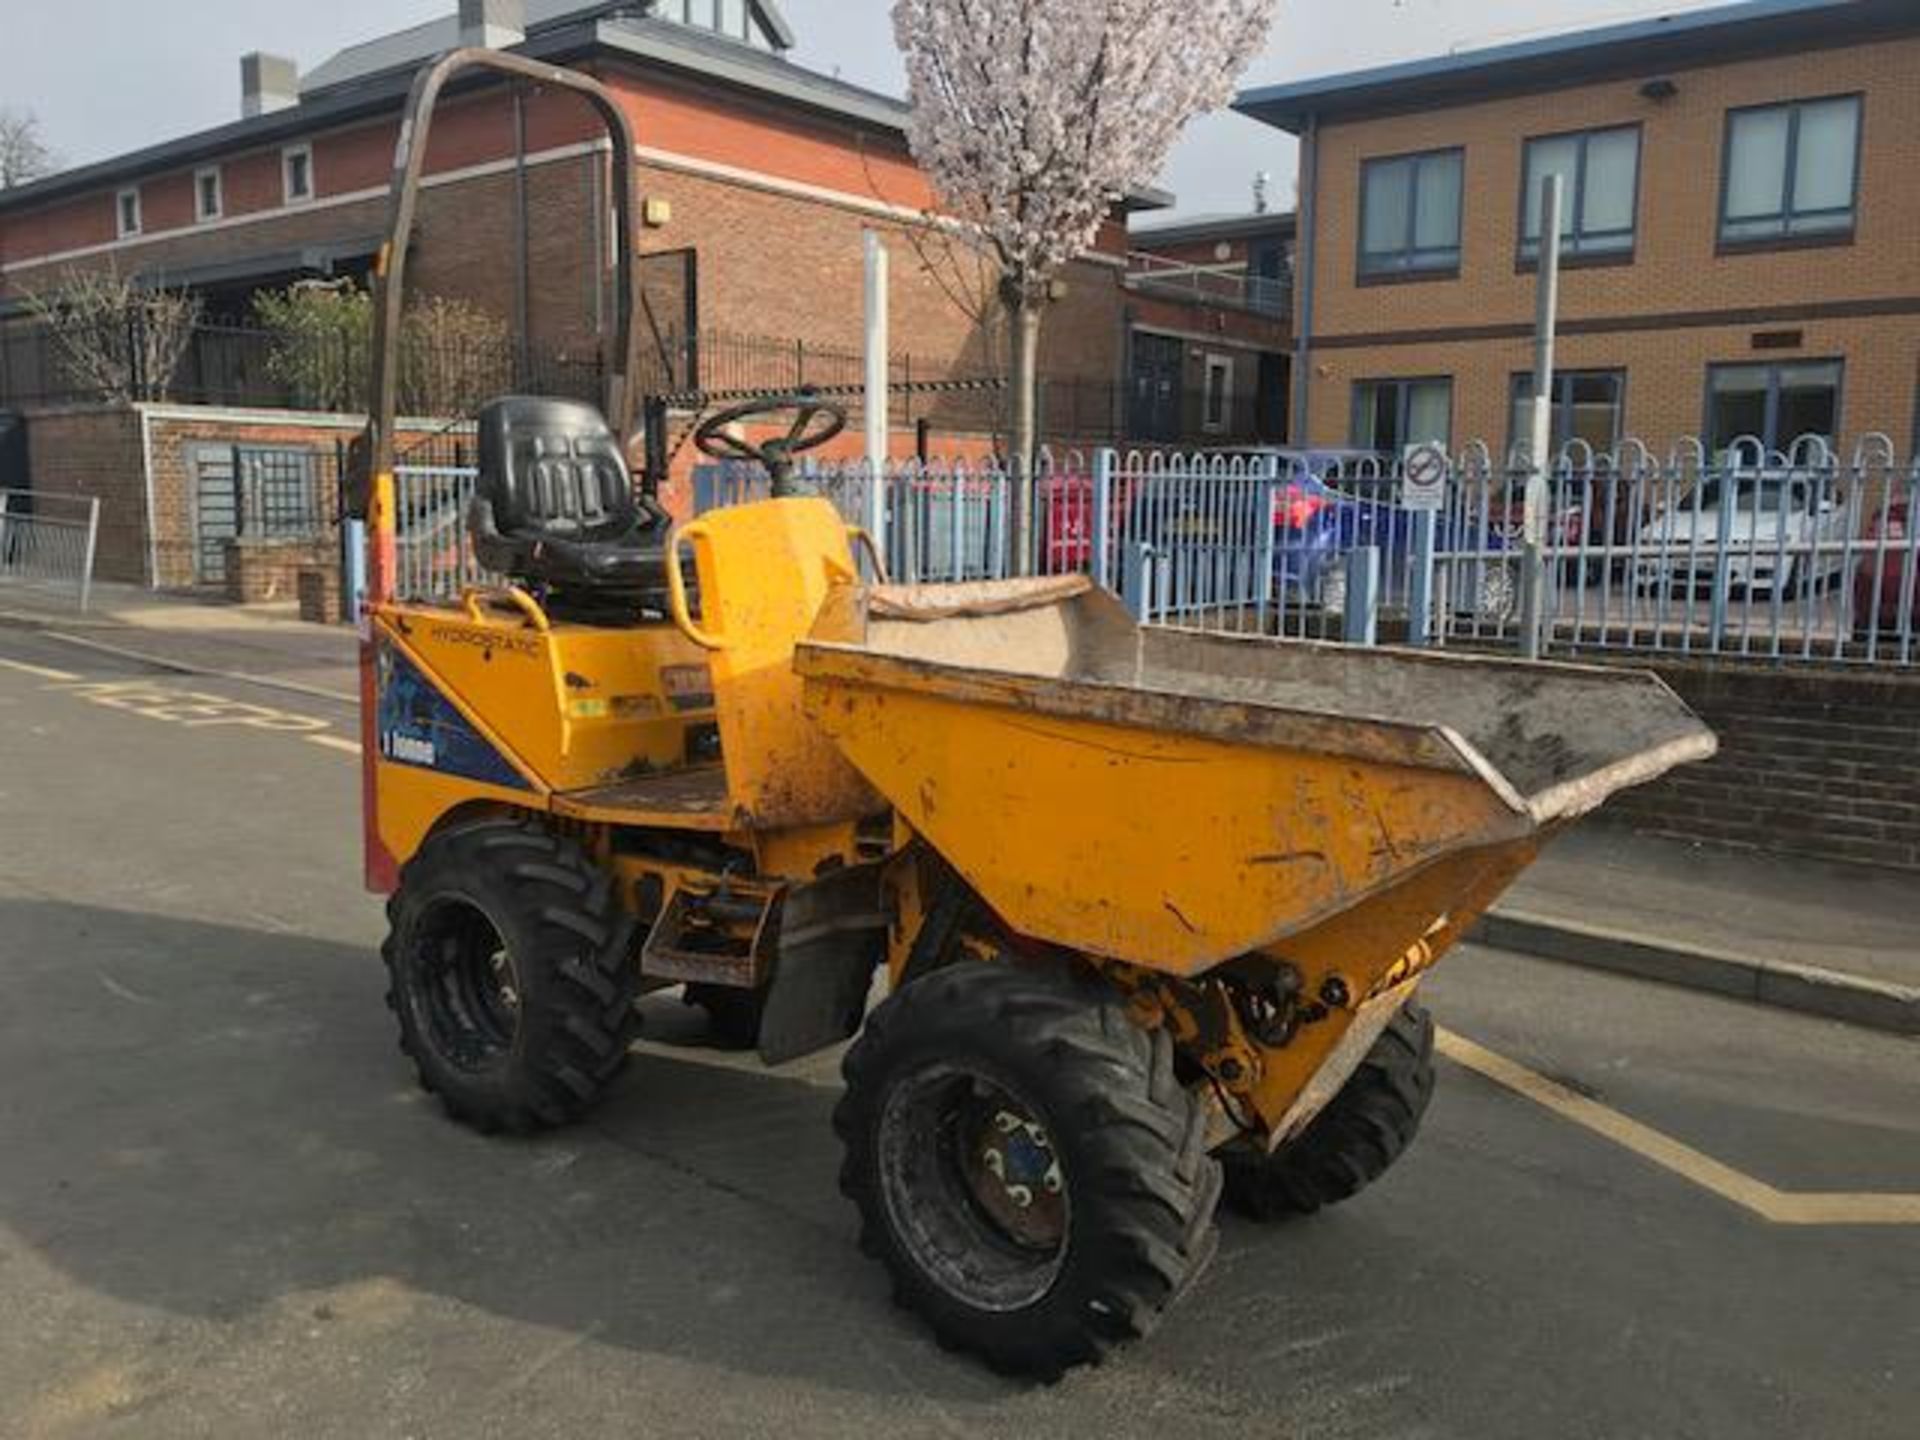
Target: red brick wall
95 451
1817 763
771 261
260 571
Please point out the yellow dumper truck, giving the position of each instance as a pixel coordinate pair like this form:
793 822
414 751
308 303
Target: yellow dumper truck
1149 907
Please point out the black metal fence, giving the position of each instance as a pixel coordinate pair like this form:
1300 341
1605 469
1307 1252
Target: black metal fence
250 367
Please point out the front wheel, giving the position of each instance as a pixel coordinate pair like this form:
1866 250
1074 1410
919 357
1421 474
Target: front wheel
511 972
1353 1142
1026 1164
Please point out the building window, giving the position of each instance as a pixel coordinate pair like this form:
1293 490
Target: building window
733 19
1587 406
1217 403
1601 171
206 193
1269 277
296 173
1791 170
126 209
1389 415
1778 405
1410 213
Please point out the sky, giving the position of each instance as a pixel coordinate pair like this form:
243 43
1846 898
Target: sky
107 76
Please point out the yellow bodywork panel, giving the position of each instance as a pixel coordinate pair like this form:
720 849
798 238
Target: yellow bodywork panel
576 705
765 570
490 703
1169 850
1371 957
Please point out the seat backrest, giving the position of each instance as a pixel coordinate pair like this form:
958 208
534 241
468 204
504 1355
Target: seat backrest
552 467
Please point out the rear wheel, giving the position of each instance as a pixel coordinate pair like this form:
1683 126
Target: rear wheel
1026 1164
1351 1143
511 973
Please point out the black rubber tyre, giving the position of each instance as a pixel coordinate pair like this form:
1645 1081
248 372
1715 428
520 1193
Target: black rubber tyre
1351 1143
1112 1144
511 971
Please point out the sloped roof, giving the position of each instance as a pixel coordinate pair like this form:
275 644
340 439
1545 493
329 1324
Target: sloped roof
409 47
1678 41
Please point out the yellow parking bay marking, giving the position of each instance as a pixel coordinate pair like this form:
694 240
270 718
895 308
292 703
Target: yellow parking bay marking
39 671
191 708
1777 1206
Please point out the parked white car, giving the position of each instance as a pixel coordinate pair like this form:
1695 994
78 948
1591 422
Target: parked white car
1782 529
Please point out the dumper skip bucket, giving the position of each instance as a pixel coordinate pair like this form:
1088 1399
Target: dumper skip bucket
1176 799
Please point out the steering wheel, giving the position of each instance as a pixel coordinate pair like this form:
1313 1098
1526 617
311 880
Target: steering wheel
714 440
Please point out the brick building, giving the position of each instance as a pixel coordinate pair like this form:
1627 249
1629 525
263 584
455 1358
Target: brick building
1231 377
759 177
1739 232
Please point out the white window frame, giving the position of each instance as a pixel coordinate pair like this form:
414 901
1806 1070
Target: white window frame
200 177
1222 366
120 226
287 156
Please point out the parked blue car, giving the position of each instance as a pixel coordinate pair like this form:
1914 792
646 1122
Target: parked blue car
1332 501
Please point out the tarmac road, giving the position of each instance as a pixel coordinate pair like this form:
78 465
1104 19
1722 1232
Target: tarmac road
226 1211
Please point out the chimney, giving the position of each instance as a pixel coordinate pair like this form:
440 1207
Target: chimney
492 24
267 83
1261 183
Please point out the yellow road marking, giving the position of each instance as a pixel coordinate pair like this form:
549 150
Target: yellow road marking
41 671
335 742
1776 1206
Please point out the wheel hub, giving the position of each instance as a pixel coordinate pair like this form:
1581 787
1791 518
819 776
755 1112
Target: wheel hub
976 1192
1016 1178
468 991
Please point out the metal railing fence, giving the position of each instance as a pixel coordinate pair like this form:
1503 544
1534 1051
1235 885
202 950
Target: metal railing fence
433 549
1221 284
1794 555
1787 556
48 542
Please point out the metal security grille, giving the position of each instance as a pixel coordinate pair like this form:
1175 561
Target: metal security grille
253 492
216 510
279 499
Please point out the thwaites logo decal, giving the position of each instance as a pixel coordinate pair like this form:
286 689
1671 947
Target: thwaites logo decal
420 727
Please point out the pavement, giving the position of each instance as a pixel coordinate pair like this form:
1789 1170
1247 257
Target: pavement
1835 940
266 642
226 1210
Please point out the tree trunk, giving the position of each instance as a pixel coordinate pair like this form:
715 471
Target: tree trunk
1026 438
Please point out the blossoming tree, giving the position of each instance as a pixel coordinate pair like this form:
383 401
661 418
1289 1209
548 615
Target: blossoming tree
1032 118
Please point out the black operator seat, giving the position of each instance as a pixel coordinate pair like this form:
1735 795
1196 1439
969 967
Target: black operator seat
555 509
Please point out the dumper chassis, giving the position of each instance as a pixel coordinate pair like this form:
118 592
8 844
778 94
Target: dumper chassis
1148 908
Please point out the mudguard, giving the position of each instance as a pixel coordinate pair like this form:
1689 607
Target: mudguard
832 937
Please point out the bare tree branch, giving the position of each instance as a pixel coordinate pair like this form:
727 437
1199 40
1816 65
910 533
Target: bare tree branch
23 156
115 339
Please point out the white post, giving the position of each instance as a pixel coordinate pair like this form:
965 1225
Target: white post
876 391
1546 320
